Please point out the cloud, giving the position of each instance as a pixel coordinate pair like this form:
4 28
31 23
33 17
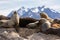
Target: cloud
56 8
7 11
4 12
7 5
53 4
2 2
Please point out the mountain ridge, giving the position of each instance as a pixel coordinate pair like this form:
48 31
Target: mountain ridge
34 12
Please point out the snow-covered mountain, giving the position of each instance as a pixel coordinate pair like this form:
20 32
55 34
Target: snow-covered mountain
34 12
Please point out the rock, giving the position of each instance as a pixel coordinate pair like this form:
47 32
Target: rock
24 32
9 34
31 34
41 36
4 17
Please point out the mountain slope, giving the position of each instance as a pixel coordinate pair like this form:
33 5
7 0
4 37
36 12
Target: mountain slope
34 12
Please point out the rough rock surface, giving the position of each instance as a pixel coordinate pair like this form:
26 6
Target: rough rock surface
41 36
31 34
9 34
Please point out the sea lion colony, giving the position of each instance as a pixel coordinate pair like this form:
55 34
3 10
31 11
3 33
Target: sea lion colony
44 24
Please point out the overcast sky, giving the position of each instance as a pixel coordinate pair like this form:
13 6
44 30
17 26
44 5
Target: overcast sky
6 6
